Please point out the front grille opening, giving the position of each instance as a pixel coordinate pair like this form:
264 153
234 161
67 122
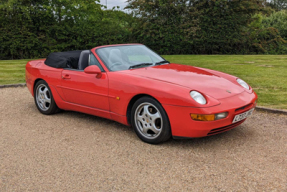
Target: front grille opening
244 107
224 129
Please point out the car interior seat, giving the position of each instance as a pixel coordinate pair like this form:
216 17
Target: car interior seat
84 60
115 56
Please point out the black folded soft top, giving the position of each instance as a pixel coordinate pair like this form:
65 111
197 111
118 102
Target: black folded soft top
68 59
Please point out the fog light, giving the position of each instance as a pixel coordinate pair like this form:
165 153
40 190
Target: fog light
198 117
221 115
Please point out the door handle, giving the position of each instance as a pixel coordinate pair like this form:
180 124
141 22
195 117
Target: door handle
66 76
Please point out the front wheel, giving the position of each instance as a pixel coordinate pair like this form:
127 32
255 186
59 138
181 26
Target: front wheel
150 121
44 99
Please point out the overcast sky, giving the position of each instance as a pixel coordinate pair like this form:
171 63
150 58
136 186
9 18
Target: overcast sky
112 3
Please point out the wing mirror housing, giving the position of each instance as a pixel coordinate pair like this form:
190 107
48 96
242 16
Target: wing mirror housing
93 69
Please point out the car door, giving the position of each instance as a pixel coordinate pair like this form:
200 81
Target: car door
85 89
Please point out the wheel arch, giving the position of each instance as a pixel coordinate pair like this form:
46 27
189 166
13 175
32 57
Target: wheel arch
132 102
35 82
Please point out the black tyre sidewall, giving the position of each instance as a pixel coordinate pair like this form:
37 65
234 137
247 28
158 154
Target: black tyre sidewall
166 131
53 107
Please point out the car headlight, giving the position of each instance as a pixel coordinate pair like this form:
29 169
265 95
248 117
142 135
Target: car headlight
198 97
243 83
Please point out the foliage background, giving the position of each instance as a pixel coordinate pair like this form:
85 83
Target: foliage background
34 28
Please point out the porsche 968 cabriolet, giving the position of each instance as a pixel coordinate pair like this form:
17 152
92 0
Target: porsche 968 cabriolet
133 85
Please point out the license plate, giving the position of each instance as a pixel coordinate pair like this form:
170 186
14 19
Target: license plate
242 116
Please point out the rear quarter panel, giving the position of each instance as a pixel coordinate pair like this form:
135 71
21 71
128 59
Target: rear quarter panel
36 70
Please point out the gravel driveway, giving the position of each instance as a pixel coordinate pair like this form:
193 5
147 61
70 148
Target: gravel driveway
71 151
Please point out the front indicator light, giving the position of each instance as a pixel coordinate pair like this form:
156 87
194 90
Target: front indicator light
214 117
198 117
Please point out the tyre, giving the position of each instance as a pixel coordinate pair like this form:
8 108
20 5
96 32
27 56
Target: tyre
44 99
150 121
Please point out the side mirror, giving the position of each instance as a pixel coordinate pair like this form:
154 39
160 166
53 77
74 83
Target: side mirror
93 69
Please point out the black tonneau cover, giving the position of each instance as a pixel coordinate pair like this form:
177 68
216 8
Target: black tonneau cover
67 59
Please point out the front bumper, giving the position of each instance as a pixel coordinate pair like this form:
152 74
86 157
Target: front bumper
183 126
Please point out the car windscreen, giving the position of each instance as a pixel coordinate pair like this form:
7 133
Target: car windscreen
125 57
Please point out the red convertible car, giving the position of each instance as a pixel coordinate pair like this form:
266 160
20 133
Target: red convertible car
133 85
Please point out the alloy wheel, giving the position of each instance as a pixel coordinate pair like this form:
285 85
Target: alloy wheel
148 120
43 97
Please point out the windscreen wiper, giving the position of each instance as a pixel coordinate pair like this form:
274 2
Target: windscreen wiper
140 65
162 62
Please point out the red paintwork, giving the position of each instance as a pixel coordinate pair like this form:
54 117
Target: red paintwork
169 84
93 69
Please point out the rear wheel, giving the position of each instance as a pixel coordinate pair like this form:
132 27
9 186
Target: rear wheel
150 121
44 99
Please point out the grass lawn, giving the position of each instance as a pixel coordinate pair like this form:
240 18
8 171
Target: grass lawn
266 74
12 71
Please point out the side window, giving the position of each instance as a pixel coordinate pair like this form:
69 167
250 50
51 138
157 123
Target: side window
94 61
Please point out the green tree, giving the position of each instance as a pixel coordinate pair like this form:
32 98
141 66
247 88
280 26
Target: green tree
279 4
277 20
268 34
195 26
167 26
223 24
34 28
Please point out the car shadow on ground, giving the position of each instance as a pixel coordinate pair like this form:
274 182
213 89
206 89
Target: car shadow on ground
231 138
235 136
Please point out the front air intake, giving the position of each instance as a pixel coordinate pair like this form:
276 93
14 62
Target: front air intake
223 129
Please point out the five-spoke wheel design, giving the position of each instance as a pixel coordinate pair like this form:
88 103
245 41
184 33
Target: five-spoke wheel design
150 121
43 97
